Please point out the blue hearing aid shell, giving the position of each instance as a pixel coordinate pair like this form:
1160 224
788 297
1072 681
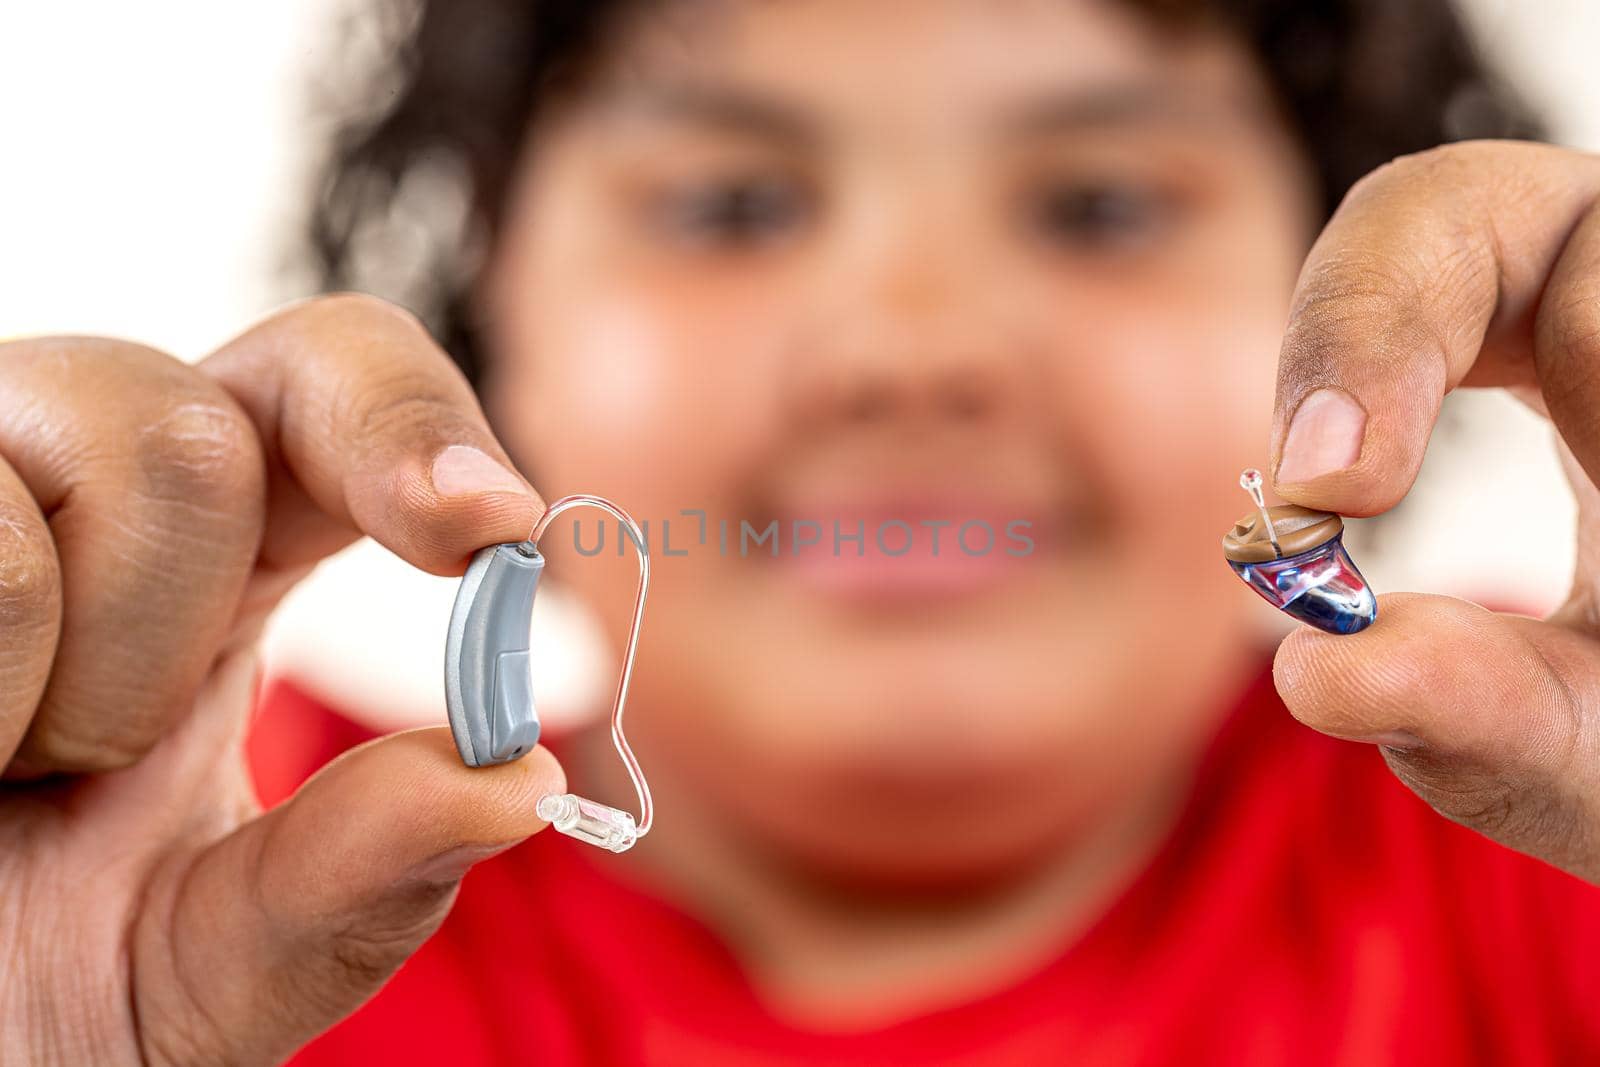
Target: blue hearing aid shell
487 683
1304 570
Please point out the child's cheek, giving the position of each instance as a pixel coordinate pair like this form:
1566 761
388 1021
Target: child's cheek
649 395
1173 405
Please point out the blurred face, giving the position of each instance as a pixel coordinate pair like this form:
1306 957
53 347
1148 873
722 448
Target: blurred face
893 269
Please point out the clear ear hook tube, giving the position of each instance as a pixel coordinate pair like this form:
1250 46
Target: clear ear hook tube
488 688
567 812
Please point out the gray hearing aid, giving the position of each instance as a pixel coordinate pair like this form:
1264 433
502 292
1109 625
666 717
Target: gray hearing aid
486 676
488 685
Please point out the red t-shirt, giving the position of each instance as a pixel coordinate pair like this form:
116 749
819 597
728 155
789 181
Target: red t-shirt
1307 910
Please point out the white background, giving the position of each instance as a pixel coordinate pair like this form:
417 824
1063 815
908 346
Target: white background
151 164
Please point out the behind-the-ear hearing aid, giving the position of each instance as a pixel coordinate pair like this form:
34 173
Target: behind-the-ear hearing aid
488 688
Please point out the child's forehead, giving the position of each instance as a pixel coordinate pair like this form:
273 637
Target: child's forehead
1001 62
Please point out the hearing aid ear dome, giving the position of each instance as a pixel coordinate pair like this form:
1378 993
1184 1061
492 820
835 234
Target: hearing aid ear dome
589 820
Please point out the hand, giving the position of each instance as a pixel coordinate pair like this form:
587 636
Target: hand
1477 264
151 514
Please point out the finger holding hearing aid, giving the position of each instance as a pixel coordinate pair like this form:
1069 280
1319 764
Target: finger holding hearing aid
378 433
1465 265
1471 265
151 514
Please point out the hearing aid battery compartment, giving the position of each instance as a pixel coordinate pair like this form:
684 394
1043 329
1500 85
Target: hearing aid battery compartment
488 692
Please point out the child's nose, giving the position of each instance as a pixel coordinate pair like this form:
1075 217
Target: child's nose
912 336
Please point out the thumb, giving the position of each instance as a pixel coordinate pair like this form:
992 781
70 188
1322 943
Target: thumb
281 929
1482 715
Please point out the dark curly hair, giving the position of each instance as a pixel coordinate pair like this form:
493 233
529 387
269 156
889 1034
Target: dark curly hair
423 145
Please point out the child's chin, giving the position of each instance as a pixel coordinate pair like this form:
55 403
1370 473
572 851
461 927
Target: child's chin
919 860
931 825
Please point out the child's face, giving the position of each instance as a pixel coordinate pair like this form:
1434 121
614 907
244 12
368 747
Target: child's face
967 259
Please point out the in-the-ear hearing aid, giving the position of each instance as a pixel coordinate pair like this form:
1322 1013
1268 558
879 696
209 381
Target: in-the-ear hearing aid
488 687
1296 559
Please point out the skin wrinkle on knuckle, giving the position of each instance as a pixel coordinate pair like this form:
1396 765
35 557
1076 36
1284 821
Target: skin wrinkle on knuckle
1433 287
30 580
1526 807
1347 278
176 1045
1465 284
1575 740
1575 333
369 947
1569 343
126 677
365 332
1356 290
1483 801
154 536
182 1026
204 452
1345 297
154 556
18 940
401 414
383 395
67 1015
355 326
1311 357
362 949
187 1037
113 748
1534 819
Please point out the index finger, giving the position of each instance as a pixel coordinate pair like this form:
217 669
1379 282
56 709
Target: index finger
370 428
1429 276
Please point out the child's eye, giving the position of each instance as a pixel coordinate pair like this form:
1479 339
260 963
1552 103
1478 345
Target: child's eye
1099 215
738 211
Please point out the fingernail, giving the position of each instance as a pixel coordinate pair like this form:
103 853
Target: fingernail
452 866
461 470
1324 436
